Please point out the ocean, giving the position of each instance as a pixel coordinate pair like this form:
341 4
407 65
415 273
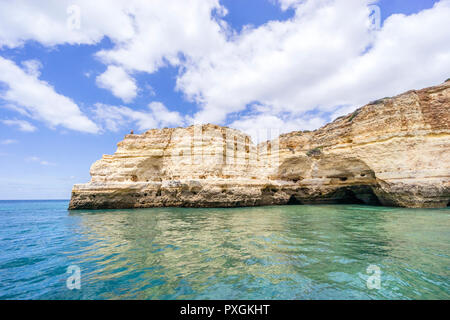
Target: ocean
284 252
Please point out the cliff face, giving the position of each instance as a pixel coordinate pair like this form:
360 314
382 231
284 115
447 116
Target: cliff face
394 151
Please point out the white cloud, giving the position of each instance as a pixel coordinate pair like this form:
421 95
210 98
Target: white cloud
119 82
40 161
17 109
286 4
327 56
266 126
49 22
39 99
146 34
279 63
8 141
164 116
150 90
114 118
32 67
117 117
326 59
166 30
21 124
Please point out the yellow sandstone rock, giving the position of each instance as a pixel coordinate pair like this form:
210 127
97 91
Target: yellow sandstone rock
394 151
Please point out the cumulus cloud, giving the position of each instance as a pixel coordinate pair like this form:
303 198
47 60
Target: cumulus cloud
327 56
64 22
117 117
119 82
325 60
39 99
279 63
168 32
163 115
21 124
146 35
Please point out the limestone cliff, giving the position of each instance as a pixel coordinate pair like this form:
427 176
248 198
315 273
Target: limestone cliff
394 151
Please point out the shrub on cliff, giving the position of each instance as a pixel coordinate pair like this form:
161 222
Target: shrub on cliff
314 152
354 114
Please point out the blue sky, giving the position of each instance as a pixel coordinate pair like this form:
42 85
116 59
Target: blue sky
69 93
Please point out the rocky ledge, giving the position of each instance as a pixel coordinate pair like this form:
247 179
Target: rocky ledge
393 152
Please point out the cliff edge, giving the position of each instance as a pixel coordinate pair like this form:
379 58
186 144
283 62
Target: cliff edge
393 152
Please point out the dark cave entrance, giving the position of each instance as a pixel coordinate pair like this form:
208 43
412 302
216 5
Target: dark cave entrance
293 201
364 195
349 197
448 204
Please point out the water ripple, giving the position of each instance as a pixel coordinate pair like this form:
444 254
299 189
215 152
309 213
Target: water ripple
292 252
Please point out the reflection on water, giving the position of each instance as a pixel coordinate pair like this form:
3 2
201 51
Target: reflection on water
289 252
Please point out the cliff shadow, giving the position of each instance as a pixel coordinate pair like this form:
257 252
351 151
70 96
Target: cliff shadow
293 201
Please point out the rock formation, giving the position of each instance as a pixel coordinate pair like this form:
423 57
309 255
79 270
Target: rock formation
393 152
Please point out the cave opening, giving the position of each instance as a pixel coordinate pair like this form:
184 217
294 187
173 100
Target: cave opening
349 197
293 201
448 204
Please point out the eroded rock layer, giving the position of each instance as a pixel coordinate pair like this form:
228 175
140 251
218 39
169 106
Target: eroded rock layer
394 152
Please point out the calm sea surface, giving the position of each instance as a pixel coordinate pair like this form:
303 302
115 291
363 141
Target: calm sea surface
289 252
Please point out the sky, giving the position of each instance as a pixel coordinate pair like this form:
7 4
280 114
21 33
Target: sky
76 76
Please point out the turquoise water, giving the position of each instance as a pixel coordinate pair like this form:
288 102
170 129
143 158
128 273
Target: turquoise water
288 252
